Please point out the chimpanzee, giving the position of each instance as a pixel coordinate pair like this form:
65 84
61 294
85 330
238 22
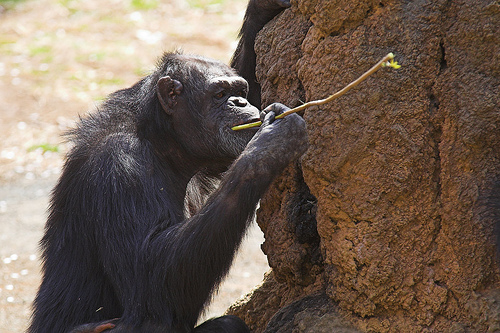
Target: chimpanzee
155 197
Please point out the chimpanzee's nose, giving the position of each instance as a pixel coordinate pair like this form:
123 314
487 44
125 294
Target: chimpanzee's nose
237 101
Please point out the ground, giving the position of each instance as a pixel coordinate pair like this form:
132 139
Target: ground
59 59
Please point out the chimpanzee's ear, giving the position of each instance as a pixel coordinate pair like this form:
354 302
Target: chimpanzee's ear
167 90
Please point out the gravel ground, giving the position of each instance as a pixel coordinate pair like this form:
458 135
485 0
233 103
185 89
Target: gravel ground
59 58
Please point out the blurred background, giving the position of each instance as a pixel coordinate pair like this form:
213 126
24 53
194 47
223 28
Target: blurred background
58 60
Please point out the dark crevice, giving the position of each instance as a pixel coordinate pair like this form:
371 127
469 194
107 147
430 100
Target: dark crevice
440 284
302 209
301 214
359 266
433 104
442 64
436 137
435 233
333 34
437 133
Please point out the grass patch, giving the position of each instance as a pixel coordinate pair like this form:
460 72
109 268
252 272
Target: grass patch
9 4
97 56
43 49
111 82
144 4
45 148
6 41
65 3
205 3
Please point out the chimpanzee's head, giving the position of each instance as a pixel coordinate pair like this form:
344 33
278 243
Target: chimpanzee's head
205 98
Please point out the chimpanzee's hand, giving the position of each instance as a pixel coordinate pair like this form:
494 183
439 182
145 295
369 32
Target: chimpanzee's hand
278 141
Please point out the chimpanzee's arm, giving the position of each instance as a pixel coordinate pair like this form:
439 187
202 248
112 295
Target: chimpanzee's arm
200 251
258 13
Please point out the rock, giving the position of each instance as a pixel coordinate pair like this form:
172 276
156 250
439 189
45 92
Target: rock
392 211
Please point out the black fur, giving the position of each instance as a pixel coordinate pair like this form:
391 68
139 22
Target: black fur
138 229
258 13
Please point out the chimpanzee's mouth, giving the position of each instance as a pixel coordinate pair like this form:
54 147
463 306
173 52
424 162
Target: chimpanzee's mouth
247 121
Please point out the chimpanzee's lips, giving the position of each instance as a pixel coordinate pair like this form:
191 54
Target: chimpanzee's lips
247 121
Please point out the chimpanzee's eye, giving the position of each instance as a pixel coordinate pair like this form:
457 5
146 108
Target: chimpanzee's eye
220 95
242 93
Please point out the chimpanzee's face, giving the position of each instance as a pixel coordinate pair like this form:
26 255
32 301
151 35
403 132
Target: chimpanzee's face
225 106
205 99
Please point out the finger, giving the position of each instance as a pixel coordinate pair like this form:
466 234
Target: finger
269 118
278 108
262 115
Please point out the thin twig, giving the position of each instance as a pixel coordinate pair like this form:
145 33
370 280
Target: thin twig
382 63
